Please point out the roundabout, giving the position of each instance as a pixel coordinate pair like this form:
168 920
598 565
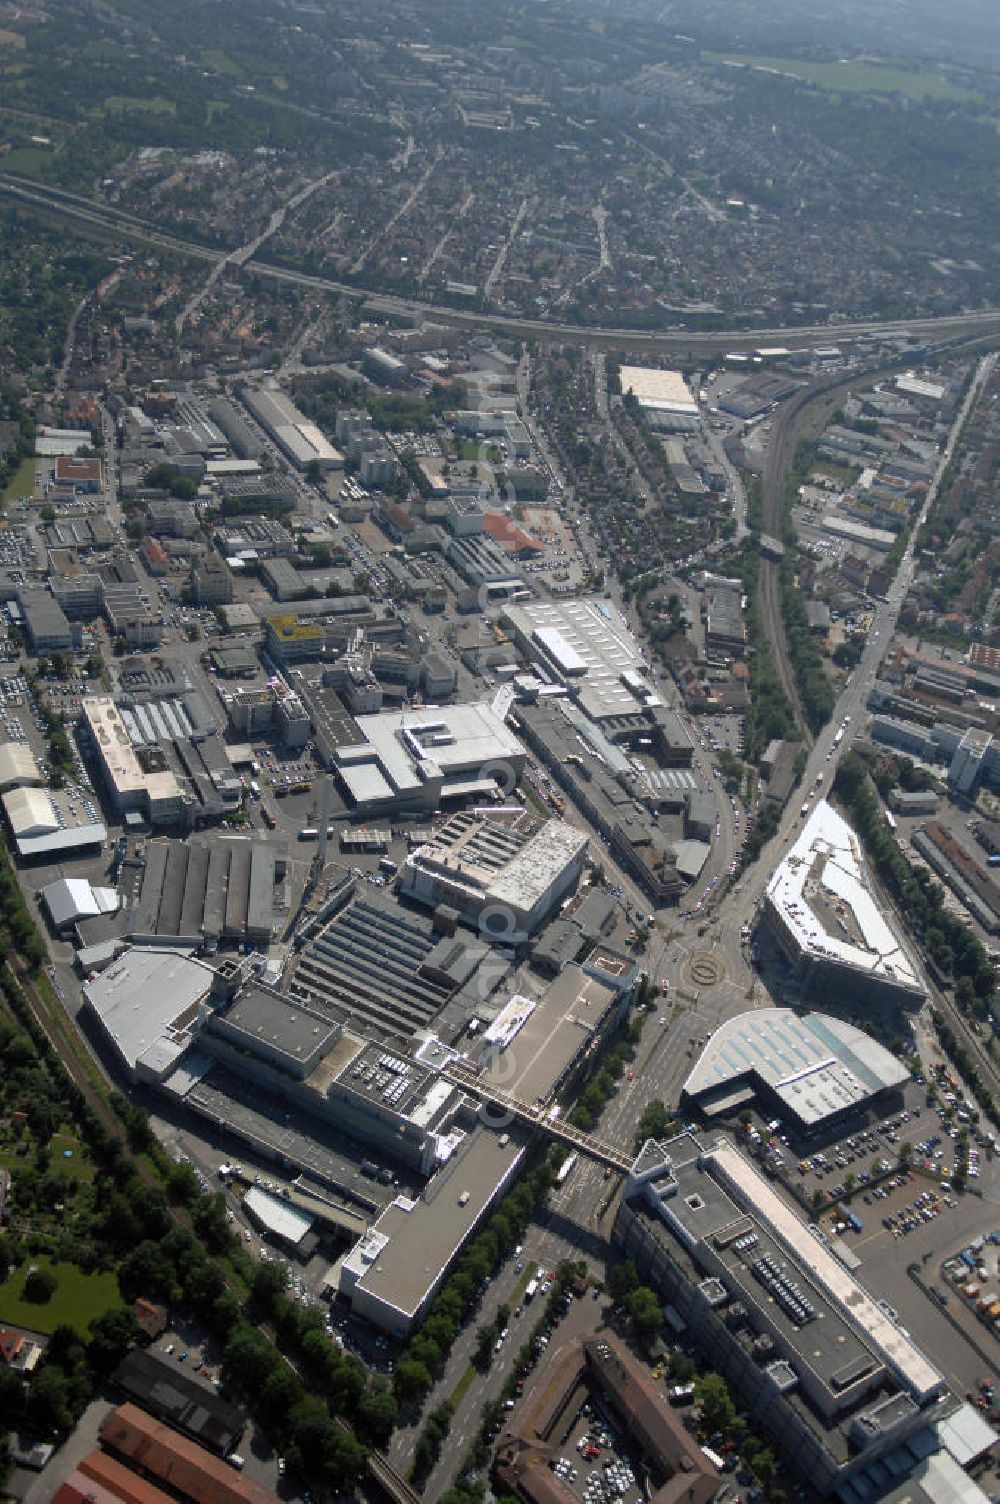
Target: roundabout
704 969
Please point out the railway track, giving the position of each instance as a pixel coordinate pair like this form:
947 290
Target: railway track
804 416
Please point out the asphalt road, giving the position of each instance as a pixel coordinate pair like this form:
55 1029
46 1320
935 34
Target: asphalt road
577 1217
747 892
806 413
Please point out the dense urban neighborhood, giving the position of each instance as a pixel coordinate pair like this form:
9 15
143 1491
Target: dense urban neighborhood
500 754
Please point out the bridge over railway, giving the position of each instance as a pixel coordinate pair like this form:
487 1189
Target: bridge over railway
500 1105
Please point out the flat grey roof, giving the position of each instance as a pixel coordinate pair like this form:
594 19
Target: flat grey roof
568 1014
146 997
283 1025
721 1200
43 614
414 1241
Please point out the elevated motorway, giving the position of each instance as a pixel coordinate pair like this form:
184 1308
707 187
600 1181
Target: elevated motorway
693 342
501 1107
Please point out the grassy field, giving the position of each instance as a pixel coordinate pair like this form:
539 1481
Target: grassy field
127 104
474 449
78 1163
221 62
22 482
854 76
845 475
79 1298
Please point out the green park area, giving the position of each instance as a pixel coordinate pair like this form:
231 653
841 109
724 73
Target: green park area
33 161
854 76
75 1301
127 104
63 1153
475 449
220 62
22 482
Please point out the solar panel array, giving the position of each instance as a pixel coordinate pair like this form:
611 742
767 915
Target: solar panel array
385 1077
786 1292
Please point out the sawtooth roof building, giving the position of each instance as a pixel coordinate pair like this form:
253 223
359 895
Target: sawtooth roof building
822 911
298 438
196 893
391 972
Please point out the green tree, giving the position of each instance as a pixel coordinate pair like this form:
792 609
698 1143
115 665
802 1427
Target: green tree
717 1408
111 1336
965 994
645 1311
622 1281
440 1329
39 1286
248 1360
49 1404
182 1185
654 1122
486 1337
266 1284
147 1271
11 1254
377 1415
281 1391
411 1379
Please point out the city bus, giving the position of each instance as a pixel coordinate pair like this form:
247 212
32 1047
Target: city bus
565 1169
